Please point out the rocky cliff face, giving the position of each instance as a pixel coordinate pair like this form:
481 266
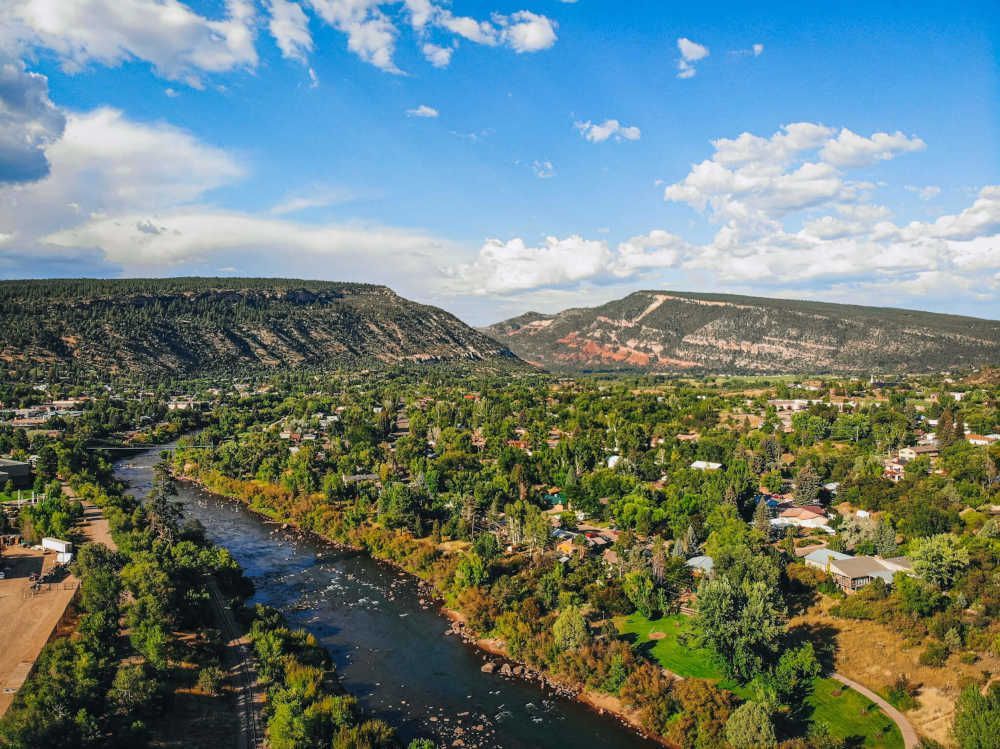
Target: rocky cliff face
189 326
680 331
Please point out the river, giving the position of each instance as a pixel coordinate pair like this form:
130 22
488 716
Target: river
390 649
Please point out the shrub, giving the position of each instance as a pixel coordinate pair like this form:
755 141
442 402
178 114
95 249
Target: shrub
902 693
936 654
210 680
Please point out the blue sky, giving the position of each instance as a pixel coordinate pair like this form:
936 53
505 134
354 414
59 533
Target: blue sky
575 152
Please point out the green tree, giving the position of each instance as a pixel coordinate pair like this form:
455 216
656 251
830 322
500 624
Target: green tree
807 485
750 727
762 519
640 590
977 718
470 572
939 559
743 622
570 629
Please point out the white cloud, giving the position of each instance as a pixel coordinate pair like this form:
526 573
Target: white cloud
792 221
105 165
422 111
600 132
183 44
439 57
691 52
849 149
180 43
754 181
289 26
29 123
656 250
315 196
200 234
422 12
928 192
370 33
525 31
758 50
503 267
112 203
543 169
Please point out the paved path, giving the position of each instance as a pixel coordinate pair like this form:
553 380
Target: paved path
910 739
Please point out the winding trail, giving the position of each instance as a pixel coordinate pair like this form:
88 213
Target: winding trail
910 739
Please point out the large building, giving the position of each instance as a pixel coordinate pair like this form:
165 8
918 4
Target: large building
15 471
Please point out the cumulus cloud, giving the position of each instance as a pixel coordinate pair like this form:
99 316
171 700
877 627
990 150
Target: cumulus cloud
439 57
756 180
112 203
289 26
184 44
600 132
691 52
849 149
422 111
503 267
371 35
180 43
372 31
791 220
29 123
105 165
525 31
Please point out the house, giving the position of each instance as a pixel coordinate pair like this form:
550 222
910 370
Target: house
705 465
857 572
702 565
812 516
614 460
982 440
906 454
821 558
893 470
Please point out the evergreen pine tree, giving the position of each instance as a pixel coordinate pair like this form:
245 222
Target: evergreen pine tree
806 485
762 518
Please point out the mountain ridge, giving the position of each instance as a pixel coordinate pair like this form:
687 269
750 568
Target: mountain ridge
664 330
192 325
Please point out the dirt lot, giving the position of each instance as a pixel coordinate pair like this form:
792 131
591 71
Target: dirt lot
27 620
873 655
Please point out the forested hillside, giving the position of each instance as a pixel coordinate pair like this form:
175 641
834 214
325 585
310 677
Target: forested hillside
194 325
681 331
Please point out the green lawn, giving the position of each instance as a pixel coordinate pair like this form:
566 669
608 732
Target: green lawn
848 714
683 660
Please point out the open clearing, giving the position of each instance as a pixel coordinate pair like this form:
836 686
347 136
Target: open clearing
939 687
848 715
27 621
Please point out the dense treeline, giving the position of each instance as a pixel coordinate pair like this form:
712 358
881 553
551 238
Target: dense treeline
450 478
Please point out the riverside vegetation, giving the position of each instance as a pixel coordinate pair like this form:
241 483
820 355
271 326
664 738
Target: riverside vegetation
459 480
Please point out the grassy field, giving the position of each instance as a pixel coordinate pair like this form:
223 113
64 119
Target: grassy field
846 713
850 715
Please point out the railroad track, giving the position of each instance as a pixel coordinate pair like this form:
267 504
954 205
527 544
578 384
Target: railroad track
251 735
